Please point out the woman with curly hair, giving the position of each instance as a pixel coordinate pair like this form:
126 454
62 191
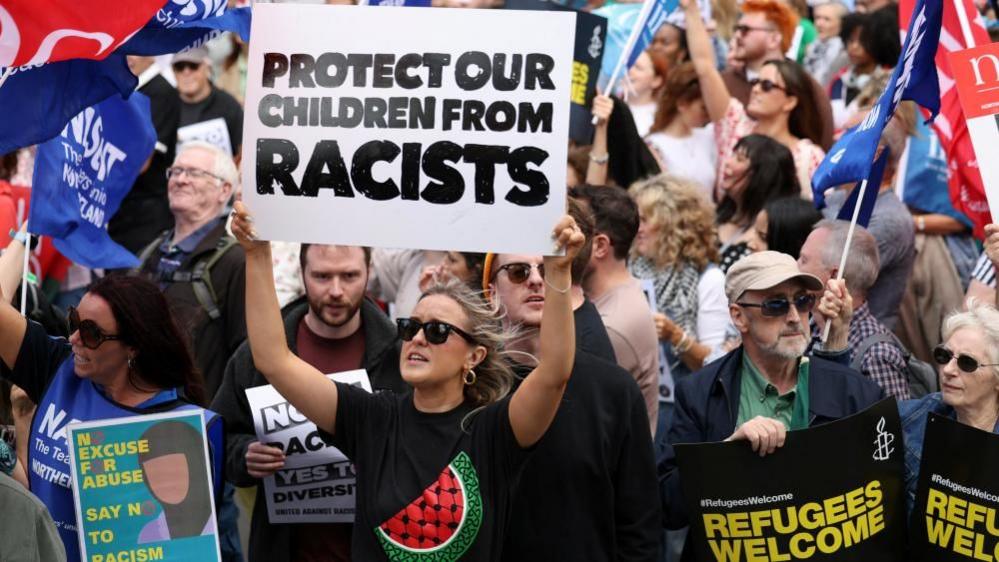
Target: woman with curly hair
677 248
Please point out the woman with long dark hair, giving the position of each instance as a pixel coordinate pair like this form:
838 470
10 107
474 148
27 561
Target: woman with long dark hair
759 170
125 356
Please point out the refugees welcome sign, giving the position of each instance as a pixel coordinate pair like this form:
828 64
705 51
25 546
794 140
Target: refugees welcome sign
832 492
956 513
436 129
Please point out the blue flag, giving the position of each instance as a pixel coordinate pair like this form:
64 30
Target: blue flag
870 194
914 78
82 175
622 20
39 101
156 39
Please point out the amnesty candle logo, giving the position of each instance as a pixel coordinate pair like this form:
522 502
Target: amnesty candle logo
883 442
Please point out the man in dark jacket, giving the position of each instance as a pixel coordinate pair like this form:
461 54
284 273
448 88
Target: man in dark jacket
766 386
335 329
588 490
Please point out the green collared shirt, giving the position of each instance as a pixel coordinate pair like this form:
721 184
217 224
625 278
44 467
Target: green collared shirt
758 397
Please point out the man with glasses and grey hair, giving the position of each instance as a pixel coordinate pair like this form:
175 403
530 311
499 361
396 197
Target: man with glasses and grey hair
766 386
881 360
197 264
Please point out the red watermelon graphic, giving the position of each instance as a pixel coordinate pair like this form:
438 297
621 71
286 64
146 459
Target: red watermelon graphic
442 523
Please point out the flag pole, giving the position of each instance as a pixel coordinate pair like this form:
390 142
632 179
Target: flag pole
962 17
24 273
846 249
643 15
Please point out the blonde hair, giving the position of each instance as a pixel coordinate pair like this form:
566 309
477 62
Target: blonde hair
684 218
977 316
493 375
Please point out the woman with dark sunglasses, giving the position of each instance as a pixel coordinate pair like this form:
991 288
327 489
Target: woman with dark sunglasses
125 356
434 466
781 105
969 384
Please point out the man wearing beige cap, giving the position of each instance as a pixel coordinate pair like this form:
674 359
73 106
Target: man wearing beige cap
766 386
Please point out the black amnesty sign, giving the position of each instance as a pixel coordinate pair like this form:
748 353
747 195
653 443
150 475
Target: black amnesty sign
957 497
832 492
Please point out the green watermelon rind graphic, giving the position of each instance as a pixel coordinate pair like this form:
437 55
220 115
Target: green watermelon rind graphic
464 535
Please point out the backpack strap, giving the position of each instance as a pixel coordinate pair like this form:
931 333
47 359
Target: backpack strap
201 279
872 340
147 252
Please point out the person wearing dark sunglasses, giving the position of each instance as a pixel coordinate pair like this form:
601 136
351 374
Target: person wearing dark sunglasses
968 364
215 112
767 386
460 429
125 356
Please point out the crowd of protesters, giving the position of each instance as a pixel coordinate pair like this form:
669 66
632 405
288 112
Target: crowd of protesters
689 307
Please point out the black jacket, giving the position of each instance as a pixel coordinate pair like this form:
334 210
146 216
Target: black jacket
212 341
272 543
707 407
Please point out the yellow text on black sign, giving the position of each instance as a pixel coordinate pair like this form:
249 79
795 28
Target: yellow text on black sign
797 532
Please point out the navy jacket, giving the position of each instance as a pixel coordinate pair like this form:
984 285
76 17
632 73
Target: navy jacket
707 407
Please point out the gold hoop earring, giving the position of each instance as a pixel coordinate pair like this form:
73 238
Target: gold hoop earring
469 377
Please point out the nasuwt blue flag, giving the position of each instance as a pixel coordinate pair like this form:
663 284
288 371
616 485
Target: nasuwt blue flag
82 175
155 40
38 101
914 78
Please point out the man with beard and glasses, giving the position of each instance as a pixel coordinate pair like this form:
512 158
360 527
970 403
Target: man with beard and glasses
766 386
334 328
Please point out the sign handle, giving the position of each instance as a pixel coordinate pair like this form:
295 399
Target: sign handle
643 15
962 17
846 249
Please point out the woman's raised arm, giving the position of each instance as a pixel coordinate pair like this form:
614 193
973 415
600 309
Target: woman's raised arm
534 404
308 390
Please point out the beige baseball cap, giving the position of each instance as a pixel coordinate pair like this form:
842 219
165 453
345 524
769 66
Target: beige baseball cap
763 270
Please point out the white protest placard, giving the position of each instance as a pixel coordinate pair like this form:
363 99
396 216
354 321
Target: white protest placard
441 129
213 131
666 382
317 483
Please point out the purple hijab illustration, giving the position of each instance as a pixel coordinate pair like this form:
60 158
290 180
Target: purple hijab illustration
173 470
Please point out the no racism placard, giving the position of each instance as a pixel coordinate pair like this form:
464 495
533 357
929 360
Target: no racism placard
412 128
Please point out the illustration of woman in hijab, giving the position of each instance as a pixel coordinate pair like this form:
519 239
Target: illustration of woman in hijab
175 472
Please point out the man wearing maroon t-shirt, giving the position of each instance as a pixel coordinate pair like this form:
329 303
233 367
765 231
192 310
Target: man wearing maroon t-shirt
334 328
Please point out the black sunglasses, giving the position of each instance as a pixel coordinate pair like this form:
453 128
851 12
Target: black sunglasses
181 66
435 331
743 29
965 362
780 306
767 85
91 335
519 272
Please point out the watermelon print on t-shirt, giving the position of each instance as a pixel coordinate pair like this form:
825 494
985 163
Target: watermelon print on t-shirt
442 523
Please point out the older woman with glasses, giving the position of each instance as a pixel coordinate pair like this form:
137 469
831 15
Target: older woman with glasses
125 356
969 384
435 466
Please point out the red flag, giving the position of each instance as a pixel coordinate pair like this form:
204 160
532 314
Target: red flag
33 32
967 192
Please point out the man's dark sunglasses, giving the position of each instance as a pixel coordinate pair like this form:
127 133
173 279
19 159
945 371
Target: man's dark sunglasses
767 85
780 306
519 272
435 331
965 362
91 335
181 66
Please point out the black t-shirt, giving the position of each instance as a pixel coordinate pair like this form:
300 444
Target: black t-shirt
422 481
591 334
